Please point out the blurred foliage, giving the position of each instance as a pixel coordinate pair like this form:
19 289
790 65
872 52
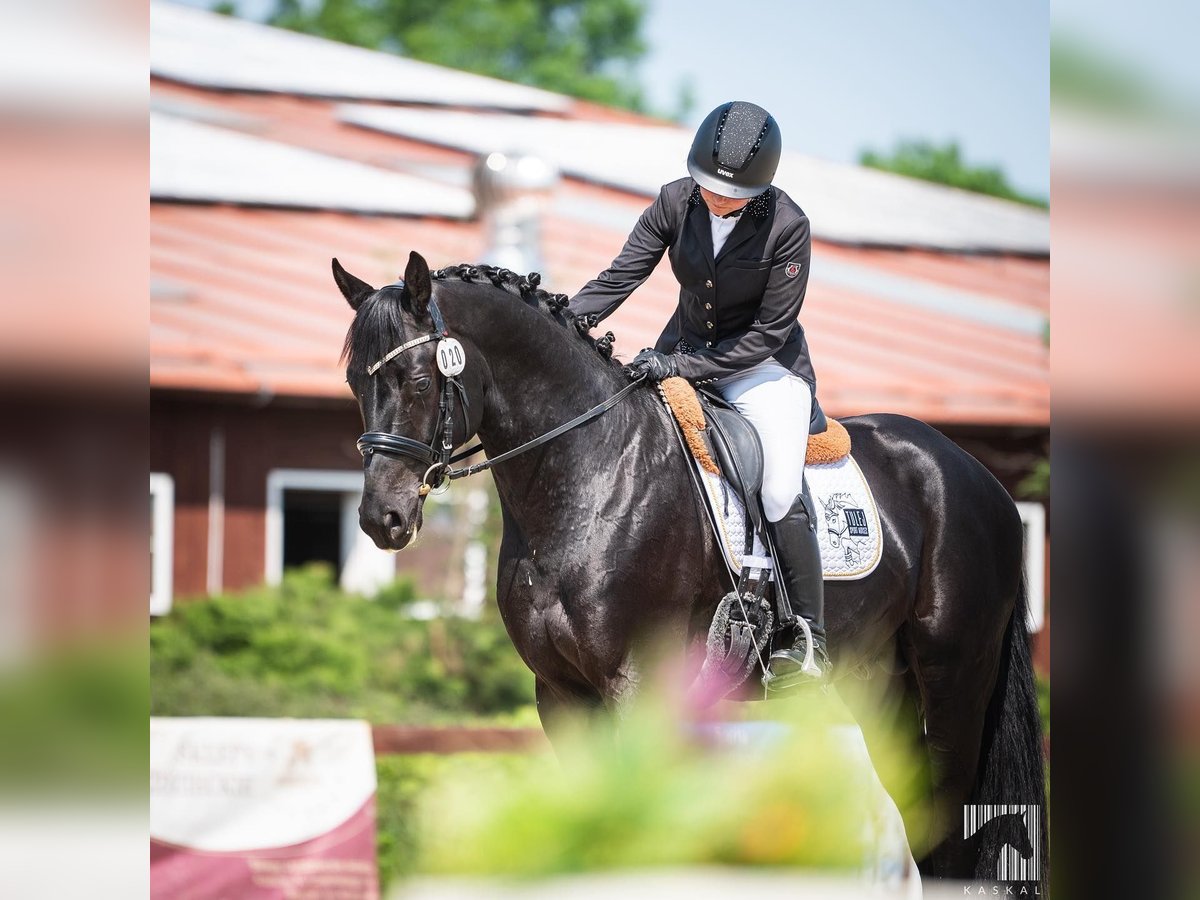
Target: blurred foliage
1043 694
75 722
401 779
944 165
1085 78
656 795
1036 485
305 648
584 48
403 782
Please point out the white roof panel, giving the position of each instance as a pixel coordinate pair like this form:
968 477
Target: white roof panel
190 161
845 203
210 50
69 59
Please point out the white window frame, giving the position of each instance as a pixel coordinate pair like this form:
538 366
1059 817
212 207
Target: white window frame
1033 517
162 524
280 480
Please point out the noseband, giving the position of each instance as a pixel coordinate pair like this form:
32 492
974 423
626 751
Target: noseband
451 361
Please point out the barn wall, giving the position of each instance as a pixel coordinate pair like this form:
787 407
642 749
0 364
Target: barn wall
256 440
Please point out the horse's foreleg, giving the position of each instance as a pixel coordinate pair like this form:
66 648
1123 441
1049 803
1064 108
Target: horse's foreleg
561 709
551 710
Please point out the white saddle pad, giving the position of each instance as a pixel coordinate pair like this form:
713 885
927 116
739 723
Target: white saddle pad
847 527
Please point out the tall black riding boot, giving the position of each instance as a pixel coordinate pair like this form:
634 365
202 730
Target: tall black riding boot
798 558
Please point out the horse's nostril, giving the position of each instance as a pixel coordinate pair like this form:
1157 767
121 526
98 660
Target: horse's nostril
391 520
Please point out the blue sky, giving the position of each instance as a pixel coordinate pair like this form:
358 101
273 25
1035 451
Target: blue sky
841 76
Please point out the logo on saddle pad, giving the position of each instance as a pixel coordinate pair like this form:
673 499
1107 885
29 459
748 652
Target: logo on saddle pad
856 522
845 521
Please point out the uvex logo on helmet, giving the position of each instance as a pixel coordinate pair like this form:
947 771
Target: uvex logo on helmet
736 151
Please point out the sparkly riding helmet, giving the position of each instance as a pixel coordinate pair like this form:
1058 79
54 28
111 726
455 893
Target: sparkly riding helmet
736 150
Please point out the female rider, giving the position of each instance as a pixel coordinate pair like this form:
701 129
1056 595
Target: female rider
740 251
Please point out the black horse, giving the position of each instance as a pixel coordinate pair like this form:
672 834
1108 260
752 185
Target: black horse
605 539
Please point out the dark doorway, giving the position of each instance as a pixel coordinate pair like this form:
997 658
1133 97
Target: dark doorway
312 529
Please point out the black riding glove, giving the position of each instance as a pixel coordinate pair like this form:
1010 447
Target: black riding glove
654 365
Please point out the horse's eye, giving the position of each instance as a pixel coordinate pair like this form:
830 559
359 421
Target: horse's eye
422 384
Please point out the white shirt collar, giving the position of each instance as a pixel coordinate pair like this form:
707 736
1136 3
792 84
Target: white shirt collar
721 229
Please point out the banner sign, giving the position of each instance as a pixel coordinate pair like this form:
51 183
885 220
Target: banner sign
262 809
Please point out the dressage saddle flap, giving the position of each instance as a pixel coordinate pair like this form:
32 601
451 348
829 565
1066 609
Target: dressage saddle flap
736 448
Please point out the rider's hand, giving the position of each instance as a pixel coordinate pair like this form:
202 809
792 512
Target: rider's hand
654 365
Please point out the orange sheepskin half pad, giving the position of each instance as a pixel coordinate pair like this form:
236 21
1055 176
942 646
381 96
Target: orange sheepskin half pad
830 446
681 397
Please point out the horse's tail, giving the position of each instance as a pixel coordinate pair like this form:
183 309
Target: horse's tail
1011 767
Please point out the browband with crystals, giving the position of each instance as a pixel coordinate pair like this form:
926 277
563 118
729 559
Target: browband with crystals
375 367
439 332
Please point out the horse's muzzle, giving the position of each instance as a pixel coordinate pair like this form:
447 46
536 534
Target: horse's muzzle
387 526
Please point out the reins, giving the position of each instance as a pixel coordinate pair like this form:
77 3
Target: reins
450 362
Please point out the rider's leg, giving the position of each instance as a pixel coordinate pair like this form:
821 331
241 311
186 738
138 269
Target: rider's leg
778 404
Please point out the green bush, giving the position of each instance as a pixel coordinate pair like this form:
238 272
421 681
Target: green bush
308 649
72 723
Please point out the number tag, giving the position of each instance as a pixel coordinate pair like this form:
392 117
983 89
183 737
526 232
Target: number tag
451 359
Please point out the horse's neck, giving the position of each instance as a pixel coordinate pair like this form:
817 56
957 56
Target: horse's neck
540 376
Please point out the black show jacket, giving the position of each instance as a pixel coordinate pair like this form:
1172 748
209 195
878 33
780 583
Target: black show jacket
736 310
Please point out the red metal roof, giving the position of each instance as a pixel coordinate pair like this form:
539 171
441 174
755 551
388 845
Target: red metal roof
242 300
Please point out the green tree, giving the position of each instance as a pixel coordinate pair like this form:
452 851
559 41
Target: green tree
945 165
584 48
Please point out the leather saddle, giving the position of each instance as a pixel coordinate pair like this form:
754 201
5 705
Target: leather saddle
735 446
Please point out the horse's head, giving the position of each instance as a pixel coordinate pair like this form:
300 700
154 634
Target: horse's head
1013 829
833 506
1020 840
399 397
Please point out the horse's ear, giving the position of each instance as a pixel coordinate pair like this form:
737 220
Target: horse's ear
418 287
355 290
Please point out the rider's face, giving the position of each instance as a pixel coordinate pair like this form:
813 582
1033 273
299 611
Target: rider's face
721 206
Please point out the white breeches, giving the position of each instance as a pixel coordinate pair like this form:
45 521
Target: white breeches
778 405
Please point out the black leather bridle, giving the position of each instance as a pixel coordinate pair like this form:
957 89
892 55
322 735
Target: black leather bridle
437 456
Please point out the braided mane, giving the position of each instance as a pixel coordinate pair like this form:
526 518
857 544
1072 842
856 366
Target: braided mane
526 287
